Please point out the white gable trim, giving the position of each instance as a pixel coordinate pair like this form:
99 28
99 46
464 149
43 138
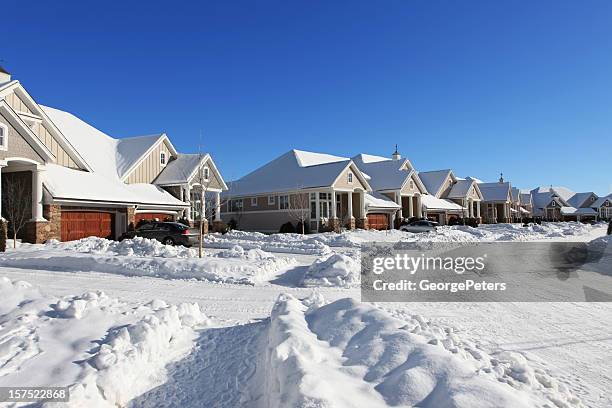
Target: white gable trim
55 132
357 172
211 163
146 154
26 132
413 175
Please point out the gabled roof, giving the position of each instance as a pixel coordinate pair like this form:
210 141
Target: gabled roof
4 71
542 196
579 199
563 192
184 168
461 188
25 131
525 198
376 200
385 174
495 191
434 180
132 149
295 170
601 200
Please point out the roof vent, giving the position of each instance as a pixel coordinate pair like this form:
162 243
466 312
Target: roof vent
5 76
396 155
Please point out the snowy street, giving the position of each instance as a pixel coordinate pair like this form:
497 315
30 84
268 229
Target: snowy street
237 332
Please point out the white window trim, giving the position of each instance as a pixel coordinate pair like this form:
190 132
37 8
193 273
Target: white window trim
349 177
280 202
271 200
5 133
206 173
253 201
165 159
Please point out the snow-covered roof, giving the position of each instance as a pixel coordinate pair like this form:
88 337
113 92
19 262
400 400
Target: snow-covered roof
563 192
433 180
568 210
292 171
601 200
181 169
376 200
525 198
477 180
461 188
495 191
106 156
433 203
64 183
579 199
131 149
385 174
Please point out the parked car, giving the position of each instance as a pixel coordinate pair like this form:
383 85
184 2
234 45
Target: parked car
419 226
168 233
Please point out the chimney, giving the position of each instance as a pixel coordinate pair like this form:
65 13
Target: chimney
5 76
396 155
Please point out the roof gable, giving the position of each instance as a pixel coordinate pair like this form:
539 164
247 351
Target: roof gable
132 151
496 191
435 181
26 133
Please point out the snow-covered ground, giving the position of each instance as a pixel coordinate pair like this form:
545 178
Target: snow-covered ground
273 321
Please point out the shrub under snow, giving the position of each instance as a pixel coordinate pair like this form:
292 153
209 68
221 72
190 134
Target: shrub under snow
334 270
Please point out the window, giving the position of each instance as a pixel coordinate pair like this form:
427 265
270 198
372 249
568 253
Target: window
206 173
283 202
162 159
554 204
350 177
3 137
253 201
271 200
235 205
411 184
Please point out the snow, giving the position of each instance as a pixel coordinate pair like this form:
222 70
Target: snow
129 151
495 191
433 180
122 339
334 270
461 188
146 257
385 174
181 169
377 200
432 203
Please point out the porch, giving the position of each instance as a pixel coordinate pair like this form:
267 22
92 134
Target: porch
332 210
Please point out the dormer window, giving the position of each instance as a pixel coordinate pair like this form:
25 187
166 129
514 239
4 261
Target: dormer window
350 177
162 159
206 173
3 136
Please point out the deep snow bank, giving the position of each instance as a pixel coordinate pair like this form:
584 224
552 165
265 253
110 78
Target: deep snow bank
350 354
146 257
285 243
334 270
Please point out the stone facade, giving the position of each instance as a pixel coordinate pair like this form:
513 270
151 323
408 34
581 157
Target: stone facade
362 223
334 224
131 218
351 223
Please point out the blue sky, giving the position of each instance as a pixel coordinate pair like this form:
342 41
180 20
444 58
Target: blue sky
480 87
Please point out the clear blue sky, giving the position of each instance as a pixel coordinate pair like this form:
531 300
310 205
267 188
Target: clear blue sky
523 87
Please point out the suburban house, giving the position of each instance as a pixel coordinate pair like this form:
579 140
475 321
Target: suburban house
603 207
449 196
521 204
396 179
327 192
526 202
497 201
551 203
77 180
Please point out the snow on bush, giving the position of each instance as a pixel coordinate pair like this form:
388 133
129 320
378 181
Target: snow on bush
76 306
146 257
334 270
131 359
351 354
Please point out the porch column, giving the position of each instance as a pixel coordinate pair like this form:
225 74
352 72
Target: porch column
188 193
203 204
318 209
419 209
398 200
2 164
333 209
410 210
362 209
470 208
218 206
477 209
349 207
37 194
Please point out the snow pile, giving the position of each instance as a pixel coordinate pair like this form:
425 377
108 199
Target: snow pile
137 246
13 293
351 354
145 257
284 243
131 359
334 270
76 306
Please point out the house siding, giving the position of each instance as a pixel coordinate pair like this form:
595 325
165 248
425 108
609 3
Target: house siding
17 145
214 177
268 221
17 103
150 167
342 182
411 191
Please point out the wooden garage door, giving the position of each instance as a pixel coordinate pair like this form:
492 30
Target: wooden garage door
153 217
378 221
81 224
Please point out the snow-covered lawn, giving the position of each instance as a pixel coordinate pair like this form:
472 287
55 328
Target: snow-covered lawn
273 321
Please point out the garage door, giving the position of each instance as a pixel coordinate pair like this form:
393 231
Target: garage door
378 221
153 217
81 224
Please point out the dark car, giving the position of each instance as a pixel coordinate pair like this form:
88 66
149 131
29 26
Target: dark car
168 233
419 226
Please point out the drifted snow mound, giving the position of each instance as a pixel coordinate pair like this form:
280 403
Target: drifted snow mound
146 257
334 270
76 306
131 359
137 246
284 243
347 354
